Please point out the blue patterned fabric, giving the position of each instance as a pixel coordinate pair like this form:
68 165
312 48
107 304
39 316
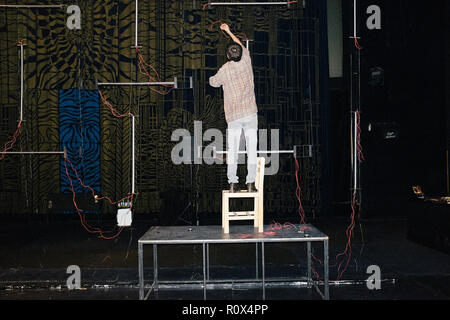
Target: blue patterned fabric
79 133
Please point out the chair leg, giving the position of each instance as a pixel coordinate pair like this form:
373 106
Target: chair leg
260 214
256 211
223 210
225 213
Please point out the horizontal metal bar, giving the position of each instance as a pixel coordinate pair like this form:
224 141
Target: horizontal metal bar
235 241
135 83
248 3
32 5
260 151
34 152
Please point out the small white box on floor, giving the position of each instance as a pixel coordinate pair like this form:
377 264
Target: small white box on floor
124 217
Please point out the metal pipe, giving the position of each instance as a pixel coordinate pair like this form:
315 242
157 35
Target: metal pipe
155 266
135 83
248 3
207 261
354 18
448 180
325 271
133 160
308 250
141 270
355 151
263 152
257 260
263 271
34 152
21 81
136 26
32 5
204 271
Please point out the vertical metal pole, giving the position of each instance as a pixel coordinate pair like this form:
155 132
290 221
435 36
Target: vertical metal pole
263 271
136 25
325 270
355 151
448 180
21 81
141 271
257 260
308 246
358 109
207 261
133 160
155 266
354 18
204 272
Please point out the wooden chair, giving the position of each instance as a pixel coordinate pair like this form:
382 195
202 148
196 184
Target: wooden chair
257 215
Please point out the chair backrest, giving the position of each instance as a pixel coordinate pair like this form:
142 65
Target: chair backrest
259 182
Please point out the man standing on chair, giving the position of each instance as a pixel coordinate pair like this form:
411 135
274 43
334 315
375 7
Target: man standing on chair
241 112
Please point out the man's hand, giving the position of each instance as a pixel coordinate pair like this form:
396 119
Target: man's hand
225 27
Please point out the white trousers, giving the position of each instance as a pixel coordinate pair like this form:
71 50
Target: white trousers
249 125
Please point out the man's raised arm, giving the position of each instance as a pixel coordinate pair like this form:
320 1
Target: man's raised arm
226 28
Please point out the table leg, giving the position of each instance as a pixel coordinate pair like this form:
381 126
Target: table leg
263 271
204 271
141 271
207 261
257 261
325 266
155 266
308 245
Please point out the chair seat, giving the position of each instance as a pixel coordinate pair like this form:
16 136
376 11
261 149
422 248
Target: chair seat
240 194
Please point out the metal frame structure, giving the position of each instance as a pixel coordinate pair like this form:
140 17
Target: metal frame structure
286 3
174 83
20 45
206 235
294 151
133 120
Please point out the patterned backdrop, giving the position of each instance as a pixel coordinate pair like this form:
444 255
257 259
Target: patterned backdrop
178 38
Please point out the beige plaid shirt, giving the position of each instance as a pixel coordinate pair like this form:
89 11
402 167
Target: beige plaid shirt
236 79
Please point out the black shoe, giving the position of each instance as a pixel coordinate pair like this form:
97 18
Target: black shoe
251 187
234 187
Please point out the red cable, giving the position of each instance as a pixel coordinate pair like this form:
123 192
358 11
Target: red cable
357 44
92 190
205 5
358 137
111 108
86 226
348 247
8 145
143 65
298 192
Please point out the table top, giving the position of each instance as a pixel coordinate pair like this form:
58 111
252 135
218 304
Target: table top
238 234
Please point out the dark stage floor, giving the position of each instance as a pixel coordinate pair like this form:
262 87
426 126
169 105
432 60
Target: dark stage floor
35 255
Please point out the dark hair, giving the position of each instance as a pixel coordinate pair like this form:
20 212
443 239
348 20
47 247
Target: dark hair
234 52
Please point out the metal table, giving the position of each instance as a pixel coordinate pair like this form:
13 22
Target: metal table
206 235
